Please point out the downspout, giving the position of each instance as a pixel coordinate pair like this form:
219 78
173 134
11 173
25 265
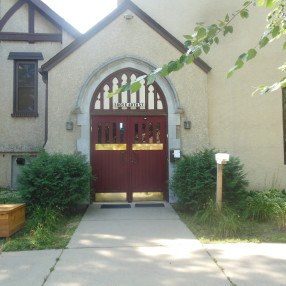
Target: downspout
45 80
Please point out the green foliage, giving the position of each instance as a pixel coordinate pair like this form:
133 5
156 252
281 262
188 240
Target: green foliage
10 197
45 228
266 206
204 36
56 181
225 223
194 180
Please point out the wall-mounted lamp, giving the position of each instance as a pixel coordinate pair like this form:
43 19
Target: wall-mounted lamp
128 16
69 125
187 124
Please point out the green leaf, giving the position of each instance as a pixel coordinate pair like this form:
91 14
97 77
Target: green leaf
164 71
263 42
284 46
183 59
270 3
126 87
251 54
201 33
191 58
172 66
227 29
230 74
179 66
260 3
151 78
275 31
111 94
226 18
206 48
216 39
212 32
242 57
135 86
188 37
197 53
244 14
239 64
247 3
188 43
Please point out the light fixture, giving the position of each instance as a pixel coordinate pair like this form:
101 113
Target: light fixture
187 124
69 125
128 16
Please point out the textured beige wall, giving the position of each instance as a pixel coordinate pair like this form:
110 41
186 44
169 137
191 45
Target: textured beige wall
138 40
245 126
21 134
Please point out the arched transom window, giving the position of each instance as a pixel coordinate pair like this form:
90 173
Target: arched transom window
148 100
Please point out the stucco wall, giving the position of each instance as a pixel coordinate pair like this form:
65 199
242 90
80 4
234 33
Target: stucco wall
138 40
21 134
245 126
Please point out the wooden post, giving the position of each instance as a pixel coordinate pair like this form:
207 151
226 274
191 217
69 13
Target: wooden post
219 187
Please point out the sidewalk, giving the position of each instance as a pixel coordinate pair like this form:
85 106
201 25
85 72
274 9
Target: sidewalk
143 246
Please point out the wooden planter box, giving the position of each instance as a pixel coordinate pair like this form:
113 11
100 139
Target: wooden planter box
12 218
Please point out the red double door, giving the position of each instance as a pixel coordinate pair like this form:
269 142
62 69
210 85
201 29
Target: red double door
129 156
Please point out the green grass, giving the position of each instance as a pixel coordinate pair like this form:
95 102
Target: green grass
44 228
250 231
9 197
35 237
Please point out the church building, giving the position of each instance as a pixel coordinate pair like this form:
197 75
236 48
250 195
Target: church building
54 83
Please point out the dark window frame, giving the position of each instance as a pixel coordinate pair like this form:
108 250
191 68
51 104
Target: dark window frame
16 111
25 58
284 121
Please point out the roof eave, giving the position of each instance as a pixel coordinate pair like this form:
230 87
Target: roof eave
45 10
127 5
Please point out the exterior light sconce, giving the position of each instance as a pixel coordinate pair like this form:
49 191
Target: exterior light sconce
187 124
221 159
69 125
128 16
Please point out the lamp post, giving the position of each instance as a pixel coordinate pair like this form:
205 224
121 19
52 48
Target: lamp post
221 159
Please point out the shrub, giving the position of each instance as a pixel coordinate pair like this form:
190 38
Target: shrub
194 180
55 181
266 206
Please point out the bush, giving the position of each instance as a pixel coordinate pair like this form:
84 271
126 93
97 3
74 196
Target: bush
56 181
266 206
194 181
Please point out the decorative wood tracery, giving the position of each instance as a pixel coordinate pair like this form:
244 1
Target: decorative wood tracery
148 100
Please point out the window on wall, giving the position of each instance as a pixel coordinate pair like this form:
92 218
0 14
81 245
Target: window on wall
284 121
25 99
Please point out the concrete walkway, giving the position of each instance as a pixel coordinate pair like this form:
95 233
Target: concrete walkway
142 246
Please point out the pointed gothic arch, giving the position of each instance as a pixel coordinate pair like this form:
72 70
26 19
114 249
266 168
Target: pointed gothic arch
148 100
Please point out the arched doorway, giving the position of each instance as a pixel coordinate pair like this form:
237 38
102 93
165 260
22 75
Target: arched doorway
129 140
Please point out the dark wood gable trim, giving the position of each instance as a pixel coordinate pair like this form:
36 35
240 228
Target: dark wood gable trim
31 36
11 12
127 5
54 18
